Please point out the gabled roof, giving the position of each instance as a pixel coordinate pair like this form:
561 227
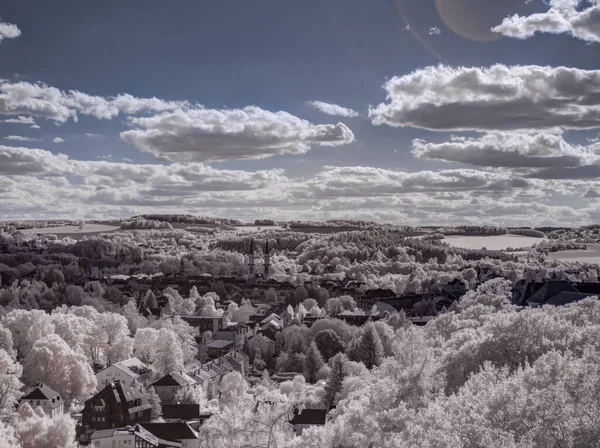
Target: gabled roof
131 367
261 337
175 379
175 432
565 297
550 289
43 392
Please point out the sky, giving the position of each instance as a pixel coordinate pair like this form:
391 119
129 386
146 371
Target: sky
429 112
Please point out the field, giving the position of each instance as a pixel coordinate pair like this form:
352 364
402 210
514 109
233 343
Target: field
591 255
73 231
495 242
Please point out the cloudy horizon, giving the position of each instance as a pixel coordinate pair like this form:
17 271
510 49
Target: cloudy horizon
383 111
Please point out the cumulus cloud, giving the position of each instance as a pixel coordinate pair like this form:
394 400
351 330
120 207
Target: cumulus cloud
434 31
58 140
31 161
202 135
333 109
495 98
41 100
19 138
8 31
371 181
510 150
579 18
37 183
21 120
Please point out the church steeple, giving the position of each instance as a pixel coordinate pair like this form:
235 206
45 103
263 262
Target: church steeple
251 258
267 259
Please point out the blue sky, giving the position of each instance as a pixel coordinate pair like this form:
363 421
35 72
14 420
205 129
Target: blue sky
204 59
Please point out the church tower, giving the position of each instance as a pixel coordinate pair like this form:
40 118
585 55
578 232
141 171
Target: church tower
267 259
251 258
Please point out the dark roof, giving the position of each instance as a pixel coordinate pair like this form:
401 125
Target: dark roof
174 432
42 392
549 290
309 417
172 379
183 412
589 288
565 297
219 343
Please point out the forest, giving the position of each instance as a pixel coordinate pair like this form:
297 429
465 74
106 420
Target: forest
482 372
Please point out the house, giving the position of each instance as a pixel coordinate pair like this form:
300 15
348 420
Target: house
170 385
274 320
307 418
115 406
183 412
123 437
264 344
126 372
218 347
48 399
237 332
179 432
552 292
205 323
207 379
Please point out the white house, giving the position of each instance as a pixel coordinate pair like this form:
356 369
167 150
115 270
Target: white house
126 372
48 399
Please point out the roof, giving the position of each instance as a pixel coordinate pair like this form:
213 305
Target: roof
104 433
175 379
565 297
262 337
43 392
181 411
132 367
171 431
219 343
550 289
309 417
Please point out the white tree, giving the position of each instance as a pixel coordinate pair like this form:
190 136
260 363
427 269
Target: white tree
144 344
53 362
167 355
37 430
10 372
27 327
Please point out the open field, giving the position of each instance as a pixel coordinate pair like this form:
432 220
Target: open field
73 231
591 255
254 229
495 242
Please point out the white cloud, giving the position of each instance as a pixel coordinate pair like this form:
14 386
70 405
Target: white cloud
434 31
8 31
333 109
35 126
213 135
495 98
19 138
579 18
58 140
20 120
510 150
43 101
